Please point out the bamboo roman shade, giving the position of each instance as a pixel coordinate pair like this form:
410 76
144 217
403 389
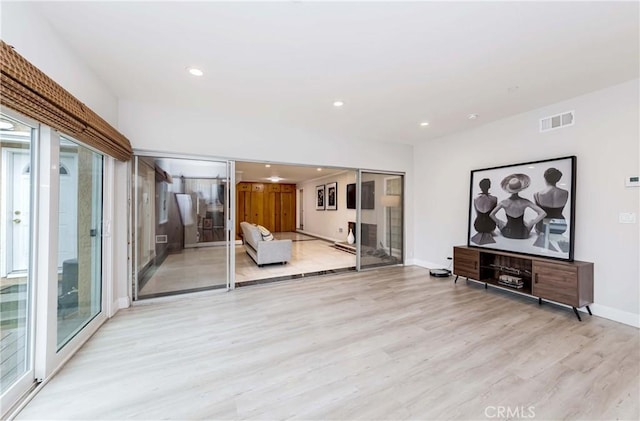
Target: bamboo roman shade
29 91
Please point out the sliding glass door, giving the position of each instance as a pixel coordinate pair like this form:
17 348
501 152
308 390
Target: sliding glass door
16 292
80 239
181 236
380 223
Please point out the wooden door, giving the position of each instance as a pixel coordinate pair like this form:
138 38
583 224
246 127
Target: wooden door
271 206
243 205
288 209
257 204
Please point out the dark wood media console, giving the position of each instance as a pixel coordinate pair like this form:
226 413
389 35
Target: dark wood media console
569 283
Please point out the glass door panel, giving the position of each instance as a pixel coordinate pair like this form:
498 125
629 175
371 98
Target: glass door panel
16 141
381 227
79 239
181 239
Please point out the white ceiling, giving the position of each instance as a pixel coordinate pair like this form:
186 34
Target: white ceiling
394 64
290 174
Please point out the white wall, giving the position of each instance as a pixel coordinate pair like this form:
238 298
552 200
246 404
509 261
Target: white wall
605 139
327 223
34 39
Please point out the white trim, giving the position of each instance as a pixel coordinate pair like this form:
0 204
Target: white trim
46 268
423 263
620 316
124 302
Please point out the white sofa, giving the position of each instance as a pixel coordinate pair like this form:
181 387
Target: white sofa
264 252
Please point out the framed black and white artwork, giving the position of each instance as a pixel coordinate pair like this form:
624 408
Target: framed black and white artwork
320 197
524 208
332 196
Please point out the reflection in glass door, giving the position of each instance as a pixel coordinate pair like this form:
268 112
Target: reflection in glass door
16 372
381 226
79 240
181 238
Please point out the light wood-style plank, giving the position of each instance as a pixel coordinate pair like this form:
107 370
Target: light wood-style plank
387 344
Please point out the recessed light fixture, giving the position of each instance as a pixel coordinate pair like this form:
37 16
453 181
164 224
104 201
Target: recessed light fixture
267 165
319 169
5 125
531 167
472 116
194 71
338 103
424 124
275 179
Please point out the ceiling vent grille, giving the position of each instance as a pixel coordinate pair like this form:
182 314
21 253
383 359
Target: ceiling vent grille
557 121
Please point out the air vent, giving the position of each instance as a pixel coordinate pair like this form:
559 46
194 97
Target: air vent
557 121
161 239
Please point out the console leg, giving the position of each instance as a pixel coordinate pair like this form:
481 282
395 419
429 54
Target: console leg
577 314
539 301
455 281
486 286
589 310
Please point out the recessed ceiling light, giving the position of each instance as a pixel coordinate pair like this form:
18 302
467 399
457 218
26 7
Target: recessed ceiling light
424 124
338 103
267 165
319 169
472 116
5 125
531 167
275 179
194 71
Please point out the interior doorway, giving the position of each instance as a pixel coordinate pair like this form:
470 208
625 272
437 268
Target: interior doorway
276 199
181 239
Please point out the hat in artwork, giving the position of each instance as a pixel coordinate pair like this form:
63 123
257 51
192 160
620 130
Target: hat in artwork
515 183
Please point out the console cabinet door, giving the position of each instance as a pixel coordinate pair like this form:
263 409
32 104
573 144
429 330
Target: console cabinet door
556 282
466 262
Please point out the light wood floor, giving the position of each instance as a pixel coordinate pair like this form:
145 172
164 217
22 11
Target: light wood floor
386 344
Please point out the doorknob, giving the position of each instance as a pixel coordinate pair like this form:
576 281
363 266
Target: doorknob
17 221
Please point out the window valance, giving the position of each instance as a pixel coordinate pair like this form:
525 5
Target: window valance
27 90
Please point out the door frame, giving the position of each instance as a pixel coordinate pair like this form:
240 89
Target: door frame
133 229
6 236
360 171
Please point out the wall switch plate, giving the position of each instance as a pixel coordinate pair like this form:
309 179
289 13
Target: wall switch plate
627 218
339 229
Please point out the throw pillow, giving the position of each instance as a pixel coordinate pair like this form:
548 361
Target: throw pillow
266 234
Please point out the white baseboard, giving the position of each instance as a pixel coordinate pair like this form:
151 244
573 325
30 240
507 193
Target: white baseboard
616 315
118 304
423 263
122 302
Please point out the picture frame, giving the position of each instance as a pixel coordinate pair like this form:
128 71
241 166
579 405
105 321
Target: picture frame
332 196
351 196
544 189
320 202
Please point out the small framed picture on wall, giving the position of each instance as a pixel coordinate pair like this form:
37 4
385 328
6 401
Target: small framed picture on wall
320 197
332 196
